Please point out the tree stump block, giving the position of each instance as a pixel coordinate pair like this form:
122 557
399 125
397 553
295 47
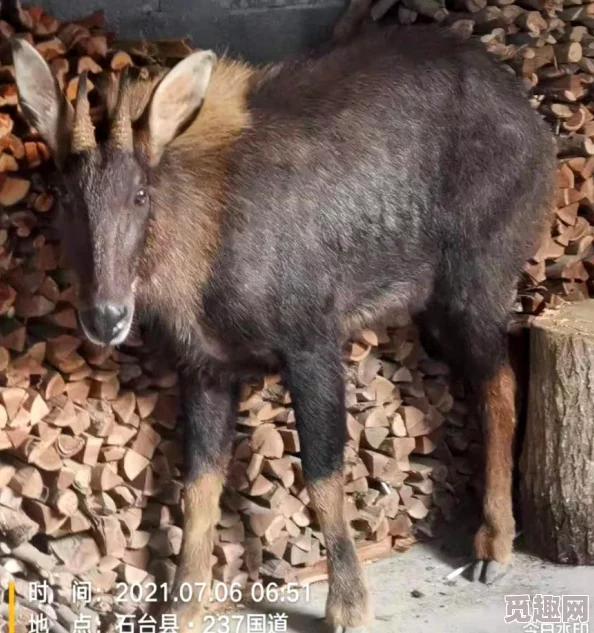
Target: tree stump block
558 456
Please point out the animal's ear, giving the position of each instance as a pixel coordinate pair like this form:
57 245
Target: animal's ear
41 99
176 99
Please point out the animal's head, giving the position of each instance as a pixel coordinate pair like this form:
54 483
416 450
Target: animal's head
105 201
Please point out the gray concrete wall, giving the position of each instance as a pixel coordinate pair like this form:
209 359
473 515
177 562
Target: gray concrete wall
259 30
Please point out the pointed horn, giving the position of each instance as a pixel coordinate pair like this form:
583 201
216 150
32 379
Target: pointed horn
120 133
83 132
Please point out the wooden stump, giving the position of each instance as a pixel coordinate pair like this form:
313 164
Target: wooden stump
558 456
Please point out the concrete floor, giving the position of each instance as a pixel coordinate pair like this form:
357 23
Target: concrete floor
443 606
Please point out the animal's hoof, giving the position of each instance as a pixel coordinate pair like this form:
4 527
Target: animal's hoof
488 571
476 571
494 571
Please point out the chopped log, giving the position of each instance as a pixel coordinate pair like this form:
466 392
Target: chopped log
72 87
89 64
29 554
48 519
569 52
12 190
120 60
27 482
64 501
373 437
147 440
430 8
8 95
290 439
104 478
51 49
575 145
133 464
556 470
267 441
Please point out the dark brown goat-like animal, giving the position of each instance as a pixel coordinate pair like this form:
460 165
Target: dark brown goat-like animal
255 216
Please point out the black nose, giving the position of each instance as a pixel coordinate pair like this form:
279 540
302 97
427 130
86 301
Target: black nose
105 321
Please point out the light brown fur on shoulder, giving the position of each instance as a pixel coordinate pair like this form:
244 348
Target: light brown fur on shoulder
224 113
188 198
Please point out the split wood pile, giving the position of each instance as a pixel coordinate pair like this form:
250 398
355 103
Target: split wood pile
90 458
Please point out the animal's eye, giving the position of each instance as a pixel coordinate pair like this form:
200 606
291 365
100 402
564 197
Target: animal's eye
141 197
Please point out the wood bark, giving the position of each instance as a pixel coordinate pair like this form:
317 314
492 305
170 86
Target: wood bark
558 454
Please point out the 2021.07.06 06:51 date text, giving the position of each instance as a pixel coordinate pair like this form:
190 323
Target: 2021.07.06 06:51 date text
221 593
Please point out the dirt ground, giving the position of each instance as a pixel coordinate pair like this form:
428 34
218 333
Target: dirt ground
440 605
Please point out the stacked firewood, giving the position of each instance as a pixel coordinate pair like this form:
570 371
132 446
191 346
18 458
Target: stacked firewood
90 459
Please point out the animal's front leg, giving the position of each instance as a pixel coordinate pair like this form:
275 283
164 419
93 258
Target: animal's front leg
201 514
210 409
316 382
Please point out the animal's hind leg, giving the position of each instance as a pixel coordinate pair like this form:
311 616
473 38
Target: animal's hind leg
473 340
316 382
494 540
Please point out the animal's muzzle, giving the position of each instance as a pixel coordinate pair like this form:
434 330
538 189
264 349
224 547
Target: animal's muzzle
106 323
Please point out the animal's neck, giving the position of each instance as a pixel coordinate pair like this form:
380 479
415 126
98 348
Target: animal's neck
223 114
188 194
